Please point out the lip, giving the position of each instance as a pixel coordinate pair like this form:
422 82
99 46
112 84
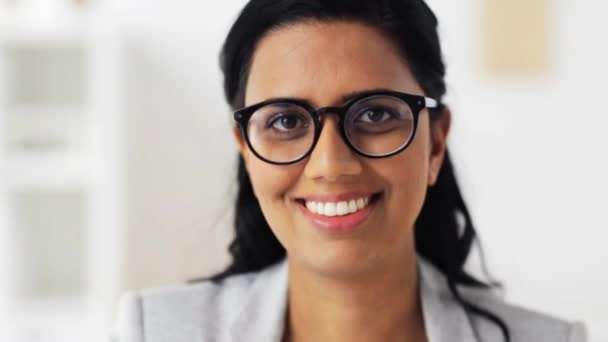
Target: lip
338 224
347 196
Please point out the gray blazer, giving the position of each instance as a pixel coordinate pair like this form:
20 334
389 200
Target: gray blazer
251 307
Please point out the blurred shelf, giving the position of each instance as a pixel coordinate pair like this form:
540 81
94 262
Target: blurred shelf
38 129
60 229
12 34
41 109
38 311
46 171
66 320
49 234
28 38
61 322
44 75
42 26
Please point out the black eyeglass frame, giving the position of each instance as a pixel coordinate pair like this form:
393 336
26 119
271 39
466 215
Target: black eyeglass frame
416 103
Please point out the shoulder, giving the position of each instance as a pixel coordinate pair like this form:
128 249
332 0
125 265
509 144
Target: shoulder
190 312
524 324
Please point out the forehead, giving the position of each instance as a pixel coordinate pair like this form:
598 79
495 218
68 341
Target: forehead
321 62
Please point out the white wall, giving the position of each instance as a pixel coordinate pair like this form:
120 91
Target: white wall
530 151
181 154
532 159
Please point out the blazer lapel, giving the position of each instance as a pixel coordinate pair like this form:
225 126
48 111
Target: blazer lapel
444 319
262 315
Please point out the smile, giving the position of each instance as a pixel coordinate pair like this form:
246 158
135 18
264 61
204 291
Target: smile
342 208
338 213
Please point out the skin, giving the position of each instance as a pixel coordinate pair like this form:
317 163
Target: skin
360 285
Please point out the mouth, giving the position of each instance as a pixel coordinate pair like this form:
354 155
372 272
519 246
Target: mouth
338 213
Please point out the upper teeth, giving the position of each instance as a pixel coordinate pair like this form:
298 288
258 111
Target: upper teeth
337 208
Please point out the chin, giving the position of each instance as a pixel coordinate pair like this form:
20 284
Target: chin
342 261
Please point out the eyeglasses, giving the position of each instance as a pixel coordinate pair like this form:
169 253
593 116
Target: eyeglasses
375 124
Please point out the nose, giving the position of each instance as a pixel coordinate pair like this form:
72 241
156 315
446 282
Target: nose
331 158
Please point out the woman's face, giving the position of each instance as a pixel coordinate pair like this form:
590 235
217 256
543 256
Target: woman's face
322 63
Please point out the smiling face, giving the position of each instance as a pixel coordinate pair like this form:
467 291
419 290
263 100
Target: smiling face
376 201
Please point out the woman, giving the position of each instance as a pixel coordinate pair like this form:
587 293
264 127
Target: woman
349 222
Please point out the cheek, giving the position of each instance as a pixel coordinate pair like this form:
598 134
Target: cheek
409 171
271 184
406 175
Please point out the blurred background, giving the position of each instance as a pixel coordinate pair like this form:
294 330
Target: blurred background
117 164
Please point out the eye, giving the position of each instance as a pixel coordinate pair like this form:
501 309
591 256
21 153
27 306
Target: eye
287 121
374 115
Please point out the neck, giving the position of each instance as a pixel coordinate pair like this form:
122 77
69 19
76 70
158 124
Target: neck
380 305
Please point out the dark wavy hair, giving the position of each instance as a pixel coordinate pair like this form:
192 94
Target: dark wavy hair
444 231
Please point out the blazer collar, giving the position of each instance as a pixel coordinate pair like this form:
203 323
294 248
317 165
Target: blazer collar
262 315
444 318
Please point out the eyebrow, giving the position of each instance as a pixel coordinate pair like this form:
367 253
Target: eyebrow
350 96
344 98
